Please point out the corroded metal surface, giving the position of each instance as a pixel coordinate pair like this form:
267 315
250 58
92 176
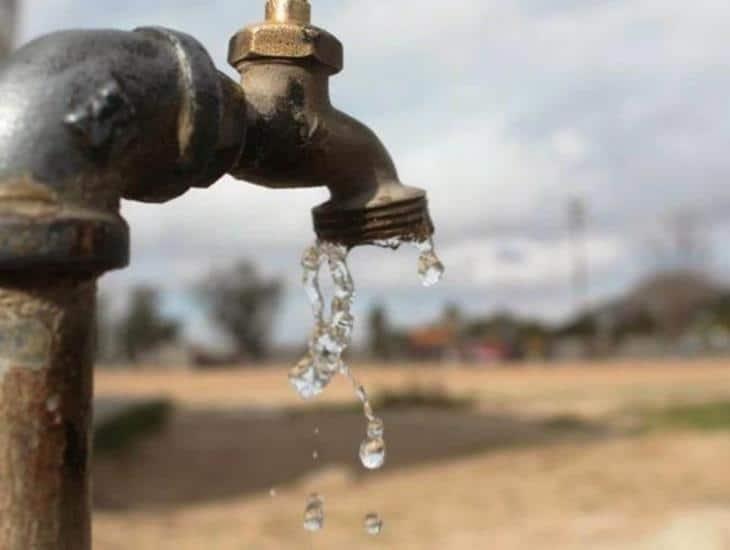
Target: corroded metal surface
46 349
407 220
89 117
86 118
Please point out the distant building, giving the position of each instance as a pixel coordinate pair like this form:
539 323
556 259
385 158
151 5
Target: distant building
432 343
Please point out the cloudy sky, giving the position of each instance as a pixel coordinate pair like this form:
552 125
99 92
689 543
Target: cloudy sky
504 110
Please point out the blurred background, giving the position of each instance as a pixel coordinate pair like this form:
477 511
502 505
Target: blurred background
568 383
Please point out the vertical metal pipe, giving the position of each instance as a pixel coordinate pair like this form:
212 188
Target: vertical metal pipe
46 356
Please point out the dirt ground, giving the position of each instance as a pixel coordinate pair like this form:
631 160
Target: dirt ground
548 458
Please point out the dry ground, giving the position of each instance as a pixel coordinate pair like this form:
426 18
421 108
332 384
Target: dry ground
506 475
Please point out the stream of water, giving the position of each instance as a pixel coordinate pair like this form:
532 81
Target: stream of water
330 338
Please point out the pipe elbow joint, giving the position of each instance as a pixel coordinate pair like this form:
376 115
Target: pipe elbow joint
89 117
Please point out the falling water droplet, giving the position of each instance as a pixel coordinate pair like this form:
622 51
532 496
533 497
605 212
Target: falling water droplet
311 264
314 513
362 393
316 431
373 524
272 493
372 453
315 456
376 428
307 379
430 268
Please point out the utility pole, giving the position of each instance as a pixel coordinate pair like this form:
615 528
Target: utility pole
8 12
577 228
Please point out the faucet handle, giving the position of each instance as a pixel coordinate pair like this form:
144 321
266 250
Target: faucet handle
289 11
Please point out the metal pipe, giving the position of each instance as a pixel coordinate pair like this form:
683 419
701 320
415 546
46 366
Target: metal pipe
89 117
86 118
46 361
285 11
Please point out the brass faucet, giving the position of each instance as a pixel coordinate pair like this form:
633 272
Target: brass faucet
296 138
90 117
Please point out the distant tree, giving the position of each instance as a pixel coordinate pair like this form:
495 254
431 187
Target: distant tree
104 330
243 304
673 299
681 244
452 317
143 329
380 334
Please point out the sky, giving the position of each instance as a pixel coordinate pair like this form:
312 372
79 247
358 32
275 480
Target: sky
505 111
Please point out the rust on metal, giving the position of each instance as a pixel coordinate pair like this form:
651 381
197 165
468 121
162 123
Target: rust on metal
47 342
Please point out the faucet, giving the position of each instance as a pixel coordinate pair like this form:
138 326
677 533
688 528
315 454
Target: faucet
88 117
298 139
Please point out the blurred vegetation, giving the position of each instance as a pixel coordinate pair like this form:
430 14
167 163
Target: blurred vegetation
381 341
243 304
136 421
421 397
143 328
713 415
412 397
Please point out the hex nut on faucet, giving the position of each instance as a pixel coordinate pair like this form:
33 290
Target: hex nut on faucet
286 40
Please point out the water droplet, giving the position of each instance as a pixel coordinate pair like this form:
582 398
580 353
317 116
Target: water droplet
316 431
272 493
315 456
362 394
307 379
373 524
430 268
314 513
312 258
372 453
376 428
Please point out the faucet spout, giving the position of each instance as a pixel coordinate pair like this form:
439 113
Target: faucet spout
297 138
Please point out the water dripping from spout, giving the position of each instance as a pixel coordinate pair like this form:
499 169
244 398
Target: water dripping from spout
330 338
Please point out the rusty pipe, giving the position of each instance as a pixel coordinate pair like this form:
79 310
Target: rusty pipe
86 118
89 117
46 358
297 138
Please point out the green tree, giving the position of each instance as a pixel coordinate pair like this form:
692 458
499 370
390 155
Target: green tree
380 333
104 331
143 329
243 304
